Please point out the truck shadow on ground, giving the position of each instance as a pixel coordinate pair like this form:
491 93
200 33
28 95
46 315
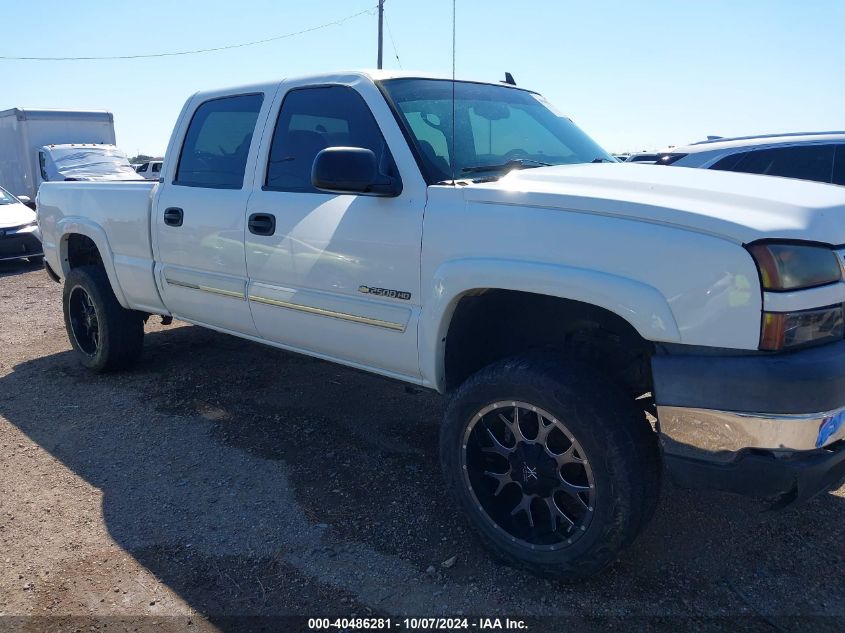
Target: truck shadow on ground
253 481
17 267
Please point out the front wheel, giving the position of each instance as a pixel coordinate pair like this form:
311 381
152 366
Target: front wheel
105 335
556 469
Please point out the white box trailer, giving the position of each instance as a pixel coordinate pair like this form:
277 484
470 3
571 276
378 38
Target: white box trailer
23 131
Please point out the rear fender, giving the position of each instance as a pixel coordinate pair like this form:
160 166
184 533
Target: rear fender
82 226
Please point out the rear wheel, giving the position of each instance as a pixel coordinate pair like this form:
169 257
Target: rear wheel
557 470
105 335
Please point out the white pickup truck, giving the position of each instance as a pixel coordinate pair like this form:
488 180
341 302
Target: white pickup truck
507 261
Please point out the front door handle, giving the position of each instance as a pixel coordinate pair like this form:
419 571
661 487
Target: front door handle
173 216
262 224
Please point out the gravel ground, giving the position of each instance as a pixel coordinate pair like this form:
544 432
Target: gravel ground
222 478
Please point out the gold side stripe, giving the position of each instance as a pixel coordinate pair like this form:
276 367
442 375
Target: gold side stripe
216 291
398 327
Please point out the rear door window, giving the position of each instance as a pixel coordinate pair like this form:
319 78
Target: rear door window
216 146
806 162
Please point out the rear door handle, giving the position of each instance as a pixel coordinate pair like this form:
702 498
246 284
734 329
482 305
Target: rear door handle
262 224
173 216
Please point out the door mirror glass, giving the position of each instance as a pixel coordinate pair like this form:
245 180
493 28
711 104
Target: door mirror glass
350 170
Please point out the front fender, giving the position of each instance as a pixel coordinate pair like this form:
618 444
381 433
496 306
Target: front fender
82 226
641 305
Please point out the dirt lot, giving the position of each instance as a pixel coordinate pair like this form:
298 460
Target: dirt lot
222 478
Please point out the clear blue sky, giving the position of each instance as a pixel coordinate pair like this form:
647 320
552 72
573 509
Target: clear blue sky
634 74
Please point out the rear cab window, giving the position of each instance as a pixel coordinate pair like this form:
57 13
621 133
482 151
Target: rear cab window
216 145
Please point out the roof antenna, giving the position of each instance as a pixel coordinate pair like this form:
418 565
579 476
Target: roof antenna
452 156
509 79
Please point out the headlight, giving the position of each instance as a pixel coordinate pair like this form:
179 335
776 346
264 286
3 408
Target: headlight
784 330
786 266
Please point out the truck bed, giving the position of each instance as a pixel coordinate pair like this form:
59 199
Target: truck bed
116 216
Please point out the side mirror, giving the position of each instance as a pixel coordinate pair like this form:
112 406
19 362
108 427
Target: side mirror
25 199
351 170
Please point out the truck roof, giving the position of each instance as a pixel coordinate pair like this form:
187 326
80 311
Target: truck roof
345 76
23 114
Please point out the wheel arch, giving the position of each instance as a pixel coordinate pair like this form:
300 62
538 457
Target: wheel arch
638 310
75 231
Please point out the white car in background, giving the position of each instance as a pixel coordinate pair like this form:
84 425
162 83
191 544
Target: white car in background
151 170
19 234
647 158
818 156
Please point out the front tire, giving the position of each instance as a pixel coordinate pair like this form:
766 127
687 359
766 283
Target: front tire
557 470
105 335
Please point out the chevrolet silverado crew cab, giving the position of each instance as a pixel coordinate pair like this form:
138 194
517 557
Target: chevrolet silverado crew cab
592 324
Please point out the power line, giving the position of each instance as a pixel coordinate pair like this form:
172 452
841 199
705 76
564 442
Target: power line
392 41
192 52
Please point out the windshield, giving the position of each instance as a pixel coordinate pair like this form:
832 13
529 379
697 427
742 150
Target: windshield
6 197
497 129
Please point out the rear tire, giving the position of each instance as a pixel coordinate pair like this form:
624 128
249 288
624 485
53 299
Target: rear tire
105 335
556 468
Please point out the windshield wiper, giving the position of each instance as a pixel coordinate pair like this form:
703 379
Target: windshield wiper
516 163
602 160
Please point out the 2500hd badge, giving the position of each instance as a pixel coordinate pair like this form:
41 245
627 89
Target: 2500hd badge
385 292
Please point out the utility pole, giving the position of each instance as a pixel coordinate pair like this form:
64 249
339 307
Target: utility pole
380 30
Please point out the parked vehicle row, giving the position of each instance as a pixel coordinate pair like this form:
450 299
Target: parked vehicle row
37 145
818 156
540 285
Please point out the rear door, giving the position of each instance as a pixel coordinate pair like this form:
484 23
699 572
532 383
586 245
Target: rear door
199 214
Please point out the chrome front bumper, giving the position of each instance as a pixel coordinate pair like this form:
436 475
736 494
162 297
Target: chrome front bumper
740 422
720 435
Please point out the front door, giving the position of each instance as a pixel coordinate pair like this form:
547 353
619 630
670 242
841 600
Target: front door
337 275
199 217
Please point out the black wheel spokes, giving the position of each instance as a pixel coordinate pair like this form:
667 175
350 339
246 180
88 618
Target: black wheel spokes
84 322
539 488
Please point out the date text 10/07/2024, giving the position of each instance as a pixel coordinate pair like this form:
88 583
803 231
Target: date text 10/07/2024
417 624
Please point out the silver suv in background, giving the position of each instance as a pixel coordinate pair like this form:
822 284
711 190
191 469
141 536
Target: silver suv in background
818 156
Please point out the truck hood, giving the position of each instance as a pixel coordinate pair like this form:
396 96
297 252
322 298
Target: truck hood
15 214
738 207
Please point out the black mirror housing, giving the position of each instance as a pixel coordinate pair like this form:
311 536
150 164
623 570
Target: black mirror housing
351 170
